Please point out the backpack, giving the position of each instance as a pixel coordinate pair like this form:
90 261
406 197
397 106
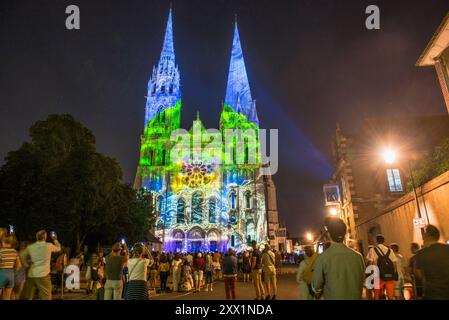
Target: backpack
386 267
308 272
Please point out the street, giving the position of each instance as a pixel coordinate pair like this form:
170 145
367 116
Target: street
286 283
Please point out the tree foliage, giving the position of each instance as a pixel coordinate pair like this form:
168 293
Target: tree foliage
435 164
59 181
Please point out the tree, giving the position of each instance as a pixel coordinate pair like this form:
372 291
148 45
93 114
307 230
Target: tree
59 181
433 165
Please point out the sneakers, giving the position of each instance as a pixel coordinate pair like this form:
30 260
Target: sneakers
207 289
273 297
211 289
267 297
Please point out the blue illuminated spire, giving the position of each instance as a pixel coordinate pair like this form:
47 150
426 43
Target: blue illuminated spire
238 93
163 88
168 47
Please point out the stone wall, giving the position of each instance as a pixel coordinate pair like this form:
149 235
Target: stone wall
395 221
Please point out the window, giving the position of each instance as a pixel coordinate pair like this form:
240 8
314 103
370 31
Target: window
197 208
232 200
160 202
248 200
394 180
180 217
212 207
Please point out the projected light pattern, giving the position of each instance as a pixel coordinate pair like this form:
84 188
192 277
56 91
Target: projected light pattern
203 204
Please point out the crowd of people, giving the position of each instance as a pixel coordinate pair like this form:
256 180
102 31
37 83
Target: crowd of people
38 270
341 273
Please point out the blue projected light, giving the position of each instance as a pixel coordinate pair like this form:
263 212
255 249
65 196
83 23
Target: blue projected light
238 93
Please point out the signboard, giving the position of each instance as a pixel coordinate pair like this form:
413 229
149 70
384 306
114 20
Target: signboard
419 223
331 194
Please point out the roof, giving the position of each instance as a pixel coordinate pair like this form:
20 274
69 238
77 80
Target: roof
436 45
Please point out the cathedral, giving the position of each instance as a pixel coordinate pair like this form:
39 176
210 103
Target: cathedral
213 196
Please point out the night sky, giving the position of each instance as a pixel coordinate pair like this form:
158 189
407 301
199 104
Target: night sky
310 65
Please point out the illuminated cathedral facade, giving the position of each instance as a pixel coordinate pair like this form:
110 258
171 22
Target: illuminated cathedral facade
204 203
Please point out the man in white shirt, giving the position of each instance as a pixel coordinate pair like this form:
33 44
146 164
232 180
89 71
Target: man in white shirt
39 271
372 258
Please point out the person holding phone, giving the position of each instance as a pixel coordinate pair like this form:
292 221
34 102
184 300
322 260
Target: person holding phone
39 272
136 288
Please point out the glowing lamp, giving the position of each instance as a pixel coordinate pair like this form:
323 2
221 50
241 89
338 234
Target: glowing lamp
309 236
389 156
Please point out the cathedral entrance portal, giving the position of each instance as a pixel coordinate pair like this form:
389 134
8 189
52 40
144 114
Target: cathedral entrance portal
195 239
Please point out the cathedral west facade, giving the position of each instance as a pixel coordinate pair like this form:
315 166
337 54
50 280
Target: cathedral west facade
212 196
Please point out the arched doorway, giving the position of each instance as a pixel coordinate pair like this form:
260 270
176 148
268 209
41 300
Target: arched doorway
178 240
195 240
213 238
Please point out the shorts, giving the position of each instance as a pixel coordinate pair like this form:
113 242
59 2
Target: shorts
209 278
198 275
6 278
387 286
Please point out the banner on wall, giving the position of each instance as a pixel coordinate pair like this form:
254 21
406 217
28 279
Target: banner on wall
331 194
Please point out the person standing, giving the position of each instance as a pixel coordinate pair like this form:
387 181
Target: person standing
176 271
246 267
9 262
268 261
136 288
39 254
21 274
230 269
339 272
305 273
385 259
164 271
400 262
115 262
154 269
417 283
432 266
304 292
217 266
198 271
209 273
256 272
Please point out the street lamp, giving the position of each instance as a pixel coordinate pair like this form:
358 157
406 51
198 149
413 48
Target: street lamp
309 236
389 156
333 211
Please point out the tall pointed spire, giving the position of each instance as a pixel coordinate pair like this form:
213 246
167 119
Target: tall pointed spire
163 88
168 47
238 93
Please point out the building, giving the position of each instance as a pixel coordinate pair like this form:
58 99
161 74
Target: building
211 196
367 184
437 54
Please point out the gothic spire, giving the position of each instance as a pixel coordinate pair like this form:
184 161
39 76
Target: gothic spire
168 48
164 88
238 93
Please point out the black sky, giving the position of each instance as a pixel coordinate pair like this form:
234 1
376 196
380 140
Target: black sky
311 63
